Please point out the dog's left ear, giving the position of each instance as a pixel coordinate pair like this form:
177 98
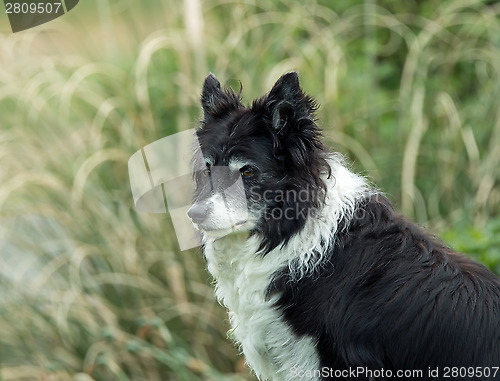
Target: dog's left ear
288 104
215 101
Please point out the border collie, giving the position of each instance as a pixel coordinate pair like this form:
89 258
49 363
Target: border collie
321 277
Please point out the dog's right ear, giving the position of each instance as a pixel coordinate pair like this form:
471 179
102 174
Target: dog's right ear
215 101
211 96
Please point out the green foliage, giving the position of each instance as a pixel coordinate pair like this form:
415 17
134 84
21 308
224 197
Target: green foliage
92 290
483 244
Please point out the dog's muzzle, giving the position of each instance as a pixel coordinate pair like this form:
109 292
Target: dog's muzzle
198 213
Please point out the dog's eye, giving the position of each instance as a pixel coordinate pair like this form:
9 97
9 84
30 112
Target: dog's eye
247 172
207 171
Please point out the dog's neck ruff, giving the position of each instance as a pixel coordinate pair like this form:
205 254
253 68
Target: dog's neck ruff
243 276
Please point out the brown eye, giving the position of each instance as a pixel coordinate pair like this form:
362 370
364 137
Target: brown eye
206 171
247 172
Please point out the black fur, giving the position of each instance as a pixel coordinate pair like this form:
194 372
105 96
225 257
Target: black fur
390 296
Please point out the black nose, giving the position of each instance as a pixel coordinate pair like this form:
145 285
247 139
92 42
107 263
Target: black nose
198 212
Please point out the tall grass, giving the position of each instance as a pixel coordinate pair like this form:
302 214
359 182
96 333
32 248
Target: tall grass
92 290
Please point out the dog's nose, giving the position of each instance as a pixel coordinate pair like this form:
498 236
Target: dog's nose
198 213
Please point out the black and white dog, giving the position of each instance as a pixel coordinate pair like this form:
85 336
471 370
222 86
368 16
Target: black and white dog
321 277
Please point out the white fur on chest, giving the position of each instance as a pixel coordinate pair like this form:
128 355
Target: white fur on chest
270 347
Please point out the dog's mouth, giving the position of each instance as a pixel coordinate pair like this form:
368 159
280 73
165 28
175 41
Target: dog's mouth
241 223
220 232
215 229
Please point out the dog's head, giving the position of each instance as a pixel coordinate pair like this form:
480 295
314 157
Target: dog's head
261 167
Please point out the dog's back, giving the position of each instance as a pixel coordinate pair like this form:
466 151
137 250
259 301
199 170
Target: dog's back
392 297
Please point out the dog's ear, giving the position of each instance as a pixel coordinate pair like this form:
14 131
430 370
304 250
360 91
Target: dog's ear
286 87
211 96
288 104
215 101
296 134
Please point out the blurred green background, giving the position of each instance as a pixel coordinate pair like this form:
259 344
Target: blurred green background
92 290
